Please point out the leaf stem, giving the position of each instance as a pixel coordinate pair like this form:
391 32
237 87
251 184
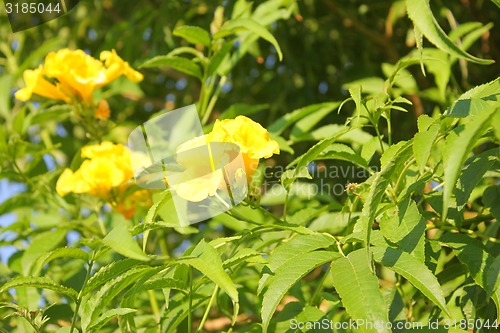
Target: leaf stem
207 310
316 293
190 309
80 295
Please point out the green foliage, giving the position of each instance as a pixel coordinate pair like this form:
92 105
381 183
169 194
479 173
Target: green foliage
382 206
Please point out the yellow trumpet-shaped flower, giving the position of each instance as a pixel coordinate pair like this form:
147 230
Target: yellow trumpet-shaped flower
105 173
68 75
253 139
106 168
203 161
37 84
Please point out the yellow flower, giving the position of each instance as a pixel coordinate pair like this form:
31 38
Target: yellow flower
200 179
203 175
253 139
116 67
68 75
37 84
106 168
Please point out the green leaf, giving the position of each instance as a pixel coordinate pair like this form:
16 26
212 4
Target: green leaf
108 272
414 271
218 58
320 147
422 145
287 275
249 24
476 100
496 2
180 64
405 226
244 255
65 252
305 124
107 316
207 260
93 304
164 282
483 267
38 282
380 182
473 173
194 35
458 147
120 240
280 125
358 288
297 246
55 113
290 175
491 198
473 254
40 245
420 13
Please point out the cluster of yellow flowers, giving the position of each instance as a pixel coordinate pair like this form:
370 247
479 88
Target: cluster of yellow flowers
72 76
254 143
105 173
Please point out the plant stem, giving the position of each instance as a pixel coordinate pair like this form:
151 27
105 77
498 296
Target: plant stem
154 305
80 295
312 301
205 315
190 309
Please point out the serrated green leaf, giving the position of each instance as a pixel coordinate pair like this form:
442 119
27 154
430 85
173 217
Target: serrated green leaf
480 264
164 282
207 260
379 184
38 282
65 252
106 273
472 174
94 304
107 316
287 275
422 145
491 198
180 64
194 35
280 125
249 24
476 100
406 227
458 147
120 240
420 13
358 288
414 271
318 148
473 254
